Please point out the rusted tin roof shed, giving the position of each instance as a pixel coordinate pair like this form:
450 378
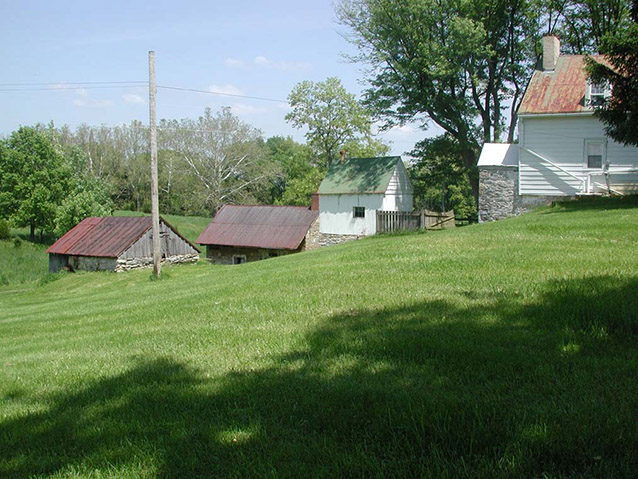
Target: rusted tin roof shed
268 227
117 243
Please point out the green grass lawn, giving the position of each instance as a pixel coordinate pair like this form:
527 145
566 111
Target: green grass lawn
498 350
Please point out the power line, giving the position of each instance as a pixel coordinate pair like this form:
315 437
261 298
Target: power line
74 83
62 88
221 93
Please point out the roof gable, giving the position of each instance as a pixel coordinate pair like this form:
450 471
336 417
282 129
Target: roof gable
105 237
559 91
359 175
268 227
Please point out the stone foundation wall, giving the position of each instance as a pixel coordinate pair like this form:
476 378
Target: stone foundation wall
325 239
226 254
498 194
126 264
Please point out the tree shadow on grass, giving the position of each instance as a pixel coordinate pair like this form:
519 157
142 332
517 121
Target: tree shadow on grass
490 388
594 203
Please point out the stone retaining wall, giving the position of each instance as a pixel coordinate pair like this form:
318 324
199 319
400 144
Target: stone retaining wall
126 264
325 239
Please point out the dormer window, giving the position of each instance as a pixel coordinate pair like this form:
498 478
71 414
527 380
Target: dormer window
597 94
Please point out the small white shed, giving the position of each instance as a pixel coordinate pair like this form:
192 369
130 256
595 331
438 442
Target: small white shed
354 189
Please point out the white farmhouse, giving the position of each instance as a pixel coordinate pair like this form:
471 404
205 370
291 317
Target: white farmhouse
355 188
563 150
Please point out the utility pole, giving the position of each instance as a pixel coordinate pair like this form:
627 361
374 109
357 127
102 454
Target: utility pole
152 90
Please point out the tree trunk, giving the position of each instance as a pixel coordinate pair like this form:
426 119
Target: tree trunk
469 161
32 232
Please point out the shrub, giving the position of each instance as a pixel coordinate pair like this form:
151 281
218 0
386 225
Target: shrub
5 230
17 242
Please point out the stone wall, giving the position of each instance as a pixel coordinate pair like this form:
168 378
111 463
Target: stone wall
325 239
126 264
498 194
91 263
226 254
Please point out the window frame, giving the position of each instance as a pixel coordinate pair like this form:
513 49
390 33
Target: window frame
586 155
603 92
240 257
358 211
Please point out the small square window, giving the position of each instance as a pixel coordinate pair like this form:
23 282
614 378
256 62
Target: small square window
359 212
239 259
594 152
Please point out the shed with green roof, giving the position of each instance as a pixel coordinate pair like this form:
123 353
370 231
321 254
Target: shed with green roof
354 189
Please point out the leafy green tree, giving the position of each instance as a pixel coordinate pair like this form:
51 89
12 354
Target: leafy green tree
299 190
333 118
620 113
293 161
582 24
89 196
34 180
440 180
454 63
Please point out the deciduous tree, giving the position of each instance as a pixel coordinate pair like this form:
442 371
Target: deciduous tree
34 179
620 112
333 118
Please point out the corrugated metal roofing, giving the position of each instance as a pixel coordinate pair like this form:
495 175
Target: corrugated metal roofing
104 237
560 91
359 175
269 227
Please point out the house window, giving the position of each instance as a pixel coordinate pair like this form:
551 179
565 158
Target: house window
239 258
359 212
594 154
597 93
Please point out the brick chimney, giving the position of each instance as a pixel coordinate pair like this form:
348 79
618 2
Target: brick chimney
551 52
343 156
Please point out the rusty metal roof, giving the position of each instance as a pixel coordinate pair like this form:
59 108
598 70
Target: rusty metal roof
268 227
104 237
558 91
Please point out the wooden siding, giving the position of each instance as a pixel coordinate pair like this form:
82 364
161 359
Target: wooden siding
172 245
399 182
562 141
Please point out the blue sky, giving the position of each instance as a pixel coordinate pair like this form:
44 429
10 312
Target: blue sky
251 48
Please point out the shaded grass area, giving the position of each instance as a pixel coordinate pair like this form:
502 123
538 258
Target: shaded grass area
500 350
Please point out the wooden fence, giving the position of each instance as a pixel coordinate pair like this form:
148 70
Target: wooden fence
388 221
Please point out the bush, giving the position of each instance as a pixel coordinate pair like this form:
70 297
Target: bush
5 230
17 242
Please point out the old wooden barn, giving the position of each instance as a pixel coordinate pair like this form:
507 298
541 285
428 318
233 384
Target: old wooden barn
238 234
117 244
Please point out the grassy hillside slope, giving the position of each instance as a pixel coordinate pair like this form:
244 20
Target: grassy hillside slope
498 350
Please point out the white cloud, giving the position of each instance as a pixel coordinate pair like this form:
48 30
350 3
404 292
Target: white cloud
234 63
263 62
245 109
93 103
83 92
226 89
134 99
